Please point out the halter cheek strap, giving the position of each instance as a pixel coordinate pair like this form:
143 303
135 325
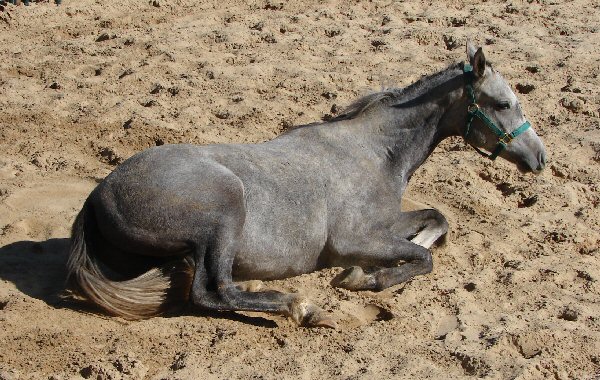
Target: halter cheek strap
473 111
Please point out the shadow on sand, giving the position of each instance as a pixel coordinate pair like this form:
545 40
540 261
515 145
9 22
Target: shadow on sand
38 269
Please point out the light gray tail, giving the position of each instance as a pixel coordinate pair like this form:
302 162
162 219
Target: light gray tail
145 296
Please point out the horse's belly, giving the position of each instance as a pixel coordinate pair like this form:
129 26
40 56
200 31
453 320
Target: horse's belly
277 244
276 262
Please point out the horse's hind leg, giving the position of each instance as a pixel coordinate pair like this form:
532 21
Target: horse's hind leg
213 287
408 240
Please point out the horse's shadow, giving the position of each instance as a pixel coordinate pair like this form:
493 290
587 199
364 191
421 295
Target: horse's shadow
39 270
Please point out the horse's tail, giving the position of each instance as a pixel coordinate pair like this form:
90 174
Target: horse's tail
145 296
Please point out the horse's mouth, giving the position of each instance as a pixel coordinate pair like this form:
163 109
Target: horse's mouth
525 168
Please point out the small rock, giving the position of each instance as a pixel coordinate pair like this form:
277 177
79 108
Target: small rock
128 123
55 86
269 38
451 42
572 104
329 95
332 32
103 37
458 22
528 346
223 115
155 3
511 9
533 69
528 201
110 156
569 314
378 44
258 26
525 88
585 275
447 324
272 6
126 73
156 89
179 362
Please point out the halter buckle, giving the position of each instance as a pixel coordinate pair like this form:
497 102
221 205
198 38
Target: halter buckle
506 139
473 108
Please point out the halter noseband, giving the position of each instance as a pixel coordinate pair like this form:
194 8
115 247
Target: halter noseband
474 110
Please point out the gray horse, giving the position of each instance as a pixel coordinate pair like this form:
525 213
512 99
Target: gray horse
180 223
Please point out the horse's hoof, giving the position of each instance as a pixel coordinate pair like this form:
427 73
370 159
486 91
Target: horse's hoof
353 278
307 314
324 320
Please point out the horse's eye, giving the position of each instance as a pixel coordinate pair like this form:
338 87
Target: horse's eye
503 105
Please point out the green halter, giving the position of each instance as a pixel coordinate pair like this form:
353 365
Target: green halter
474 110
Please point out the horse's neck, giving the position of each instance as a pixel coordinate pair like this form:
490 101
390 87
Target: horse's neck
402 138
415 139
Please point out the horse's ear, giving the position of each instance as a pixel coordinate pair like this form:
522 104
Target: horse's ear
478 63
476 59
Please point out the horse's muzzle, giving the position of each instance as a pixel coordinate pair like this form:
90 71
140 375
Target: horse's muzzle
532 165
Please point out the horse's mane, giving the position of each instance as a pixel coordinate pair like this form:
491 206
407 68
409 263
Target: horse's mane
391 97
396 95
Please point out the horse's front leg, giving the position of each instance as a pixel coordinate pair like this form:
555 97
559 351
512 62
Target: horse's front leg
407 240
422 227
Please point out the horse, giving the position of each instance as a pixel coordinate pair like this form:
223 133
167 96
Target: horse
178 224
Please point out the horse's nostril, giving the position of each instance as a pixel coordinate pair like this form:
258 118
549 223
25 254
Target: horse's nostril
541 160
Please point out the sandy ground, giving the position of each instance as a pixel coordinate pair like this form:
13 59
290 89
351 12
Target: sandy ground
514 294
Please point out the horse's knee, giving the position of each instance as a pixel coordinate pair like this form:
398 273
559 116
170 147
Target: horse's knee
439 224
437 220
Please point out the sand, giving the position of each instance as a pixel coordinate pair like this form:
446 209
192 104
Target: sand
514 293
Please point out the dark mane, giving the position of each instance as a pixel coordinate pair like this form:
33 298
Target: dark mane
397 95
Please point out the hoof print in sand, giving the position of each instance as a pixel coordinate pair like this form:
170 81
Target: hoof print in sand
359 315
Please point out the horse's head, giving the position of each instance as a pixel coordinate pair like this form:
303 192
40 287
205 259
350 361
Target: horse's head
495 121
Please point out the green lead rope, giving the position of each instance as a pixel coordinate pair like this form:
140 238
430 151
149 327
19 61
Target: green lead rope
474 111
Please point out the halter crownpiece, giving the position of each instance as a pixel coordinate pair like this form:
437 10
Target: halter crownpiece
473 110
